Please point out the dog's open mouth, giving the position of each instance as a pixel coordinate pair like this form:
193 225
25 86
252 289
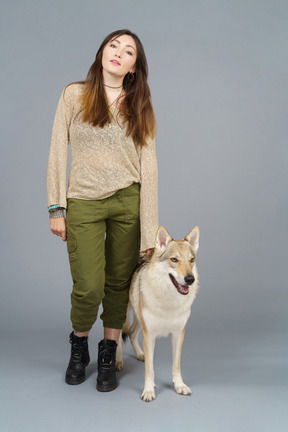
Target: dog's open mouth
182 289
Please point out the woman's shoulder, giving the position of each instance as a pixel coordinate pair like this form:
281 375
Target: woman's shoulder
72 91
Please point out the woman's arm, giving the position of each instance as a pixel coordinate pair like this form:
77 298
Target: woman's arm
57 166
148 195
58 154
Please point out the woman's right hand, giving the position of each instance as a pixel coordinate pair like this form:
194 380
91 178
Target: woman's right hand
58 227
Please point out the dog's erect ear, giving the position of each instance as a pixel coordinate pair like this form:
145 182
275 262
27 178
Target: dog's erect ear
162 238
193 238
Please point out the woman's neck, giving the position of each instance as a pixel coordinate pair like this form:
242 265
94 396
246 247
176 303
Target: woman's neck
112 81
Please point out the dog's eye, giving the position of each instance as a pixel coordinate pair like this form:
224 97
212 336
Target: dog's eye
174 260
192 260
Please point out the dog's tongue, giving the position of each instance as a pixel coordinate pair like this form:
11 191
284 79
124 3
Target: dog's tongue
183 288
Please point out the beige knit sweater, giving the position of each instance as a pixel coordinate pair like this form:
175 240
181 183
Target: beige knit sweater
103 161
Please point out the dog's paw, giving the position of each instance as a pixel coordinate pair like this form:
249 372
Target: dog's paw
183 389
141 357
119 365
148 395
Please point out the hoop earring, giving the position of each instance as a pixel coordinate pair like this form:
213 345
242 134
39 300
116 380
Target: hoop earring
130 77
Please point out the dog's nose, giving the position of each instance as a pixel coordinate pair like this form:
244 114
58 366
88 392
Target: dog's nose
189 280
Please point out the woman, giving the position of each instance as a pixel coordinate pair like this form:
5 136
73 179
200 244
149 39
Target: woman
111 202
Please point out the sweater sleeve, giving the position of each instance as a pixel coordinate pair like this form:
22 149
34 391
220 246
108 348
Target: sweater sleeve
58 154
148 195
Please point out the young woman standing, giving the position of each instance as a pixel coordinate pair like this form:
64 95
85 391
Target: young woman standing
111 202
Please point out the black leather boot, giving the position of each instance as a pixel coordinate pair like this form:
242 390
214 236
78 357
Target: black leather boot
75 373
106 380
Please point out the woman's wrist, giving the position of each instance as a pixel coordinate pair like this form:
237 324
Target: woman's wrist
57 213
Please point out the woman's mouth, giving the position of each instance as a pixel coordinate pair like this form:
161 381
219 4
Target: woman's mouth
115 62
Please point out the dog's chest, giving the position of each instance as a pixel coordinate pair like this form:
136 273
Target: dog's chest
162 323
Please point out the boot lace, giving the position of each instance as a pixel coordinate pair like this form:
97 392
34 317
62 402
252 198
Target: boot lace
77 353
106 357
77 350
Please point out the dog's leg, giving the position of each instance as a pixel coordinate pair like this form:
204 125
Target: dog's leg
119 354
148 393
177 341
134 333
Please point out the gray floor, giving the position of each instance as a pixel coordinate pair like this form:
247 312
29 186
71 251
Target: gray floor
217 73
238 383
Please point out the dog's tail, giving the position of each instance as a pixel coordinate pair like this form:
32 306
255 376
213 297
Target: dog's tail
124 336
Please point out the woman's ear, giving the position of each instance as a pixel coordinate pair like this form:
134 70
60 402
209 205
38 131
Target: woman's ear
133 70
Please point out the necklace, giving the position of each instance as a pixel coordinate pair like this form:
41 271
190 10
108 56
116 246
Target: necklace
112 112
106 85
116 99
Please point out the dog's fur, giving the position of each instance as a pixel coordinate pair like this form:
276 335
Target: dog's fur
162 291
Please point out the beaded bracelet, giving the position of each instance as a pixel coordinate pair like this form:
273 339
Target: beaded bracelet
53 207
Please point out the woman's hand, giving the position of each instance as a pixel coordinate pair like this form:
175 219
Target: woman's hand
58 227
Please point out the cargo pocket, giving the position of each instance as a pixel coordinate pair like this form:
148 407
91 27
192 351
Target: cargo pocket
71 248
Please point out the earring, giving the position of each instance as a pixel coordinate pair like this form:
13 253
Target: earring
130 77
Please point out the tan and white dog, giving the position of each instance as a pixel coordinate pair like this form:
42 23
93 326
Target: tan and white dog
162 291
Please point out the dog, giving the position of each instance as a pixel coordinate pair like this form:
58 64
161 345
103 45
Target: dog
162 291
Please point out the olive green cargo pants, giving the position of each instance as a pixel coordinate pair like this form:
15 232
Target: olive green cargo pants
103 246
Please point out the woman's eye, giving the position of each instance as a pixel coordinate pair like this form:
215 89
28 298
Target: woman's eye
129 52
174 260
112 45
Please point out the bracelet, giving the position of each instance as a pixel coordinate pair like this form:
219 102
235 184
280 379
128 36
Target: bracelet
56 213
53 207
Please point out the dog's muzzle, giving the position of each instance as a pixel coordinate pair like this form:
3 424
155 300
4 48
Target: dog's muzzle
182 289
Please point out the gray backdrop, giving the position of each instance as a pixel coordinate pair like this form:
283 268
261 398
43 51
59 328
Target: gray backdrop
218 77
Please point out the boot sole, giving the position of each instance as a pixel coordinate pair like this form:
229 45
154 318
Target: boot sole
105 388
74 381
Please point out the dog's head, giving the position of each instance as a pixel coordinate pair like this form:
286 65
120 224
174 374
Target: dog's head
178 258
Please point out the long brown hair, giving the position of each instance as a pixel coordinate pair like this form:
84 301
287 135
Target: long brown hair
136 109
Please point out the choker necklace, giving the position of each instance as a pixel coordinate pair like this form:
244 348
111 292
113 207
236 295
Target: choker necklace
112 87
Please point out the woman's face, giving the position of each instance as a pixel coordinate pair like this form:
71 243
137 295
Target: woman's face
119 56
